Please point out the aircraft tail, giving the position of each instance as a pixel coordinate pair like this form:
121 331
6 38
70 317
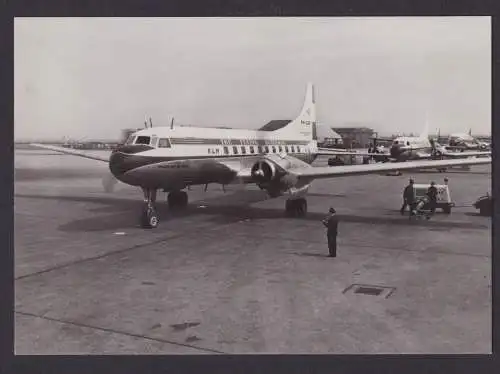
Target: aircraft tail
304 126
425 132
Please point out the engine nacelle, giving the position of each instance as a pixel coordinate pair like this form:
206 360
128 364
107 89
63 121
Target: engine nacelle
270 174
264 172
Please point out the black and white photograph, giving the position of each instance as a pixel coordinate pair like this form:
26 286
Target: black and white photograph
252 185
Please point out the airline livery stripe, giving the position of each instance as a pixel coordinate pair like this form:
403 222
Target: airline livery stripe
201 141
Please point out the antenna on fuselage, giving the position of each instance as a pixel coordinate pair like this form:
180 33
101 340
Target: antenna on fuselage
150 122
146 124
172 123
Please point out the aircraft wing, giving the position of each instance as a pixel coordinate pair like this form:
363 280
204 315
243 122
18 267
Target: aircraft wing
70 151
348 170
466 154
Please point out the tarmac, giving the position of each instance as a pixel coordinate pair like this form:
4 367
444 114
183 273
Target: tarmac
232 274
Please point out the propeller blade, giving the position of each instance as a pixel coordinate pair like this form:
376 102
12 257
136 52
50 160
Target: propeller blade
109 182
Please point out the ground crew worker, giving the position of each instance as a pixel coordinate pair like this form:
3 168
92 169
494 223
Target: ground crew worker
331 223
432 194
408 197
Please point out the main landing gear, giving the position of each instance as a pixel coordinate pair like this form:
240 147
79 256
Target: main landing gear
149 216
296 207
177 199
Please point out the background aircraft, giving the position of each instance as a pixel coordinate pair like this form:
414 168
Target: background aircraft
464 141
279 162
422 147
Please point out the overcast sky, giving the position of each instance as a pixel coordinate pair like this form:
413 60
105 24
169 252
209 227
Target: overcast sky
92 77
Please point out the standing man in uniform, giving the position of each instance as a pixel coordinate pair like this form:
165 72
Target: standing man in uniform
432 195
408 197
331 223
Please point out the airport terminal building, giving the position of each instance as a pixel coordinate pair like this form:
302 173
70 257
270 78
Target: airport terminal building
355 137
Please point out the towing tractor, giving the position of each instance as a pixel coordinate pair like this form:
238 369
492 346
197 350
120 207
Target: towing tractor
485 205
443 195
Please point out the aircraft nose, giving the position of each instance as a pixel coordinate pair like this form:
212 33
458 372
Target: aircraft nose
117 162
124 158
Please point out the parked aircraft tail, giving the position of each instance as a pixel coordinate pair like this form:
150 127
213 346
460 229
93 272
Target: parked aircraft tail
304 125
425 132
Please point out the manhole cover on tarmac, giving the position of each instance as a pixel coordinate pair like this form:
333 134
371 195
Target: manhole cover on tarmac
368 289
184 326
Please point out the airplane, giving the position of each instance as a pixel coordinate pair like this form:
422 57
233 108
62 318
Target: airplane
466 142
173 158
405 148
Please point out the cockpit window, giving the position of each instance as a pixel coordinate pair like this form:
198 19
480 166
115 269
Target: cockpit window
130 139
164 143
395 142
143 140
407 143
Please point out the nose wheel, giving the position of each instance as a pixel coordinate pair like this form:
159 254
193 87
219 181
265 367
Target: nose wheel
149 216
296 207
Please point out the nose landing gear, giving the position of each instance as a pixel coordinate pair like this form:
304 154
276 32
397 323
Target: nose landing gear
149 216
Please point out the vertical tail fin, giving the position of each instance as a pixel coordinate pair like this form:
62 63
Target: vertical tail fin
304 126
425 132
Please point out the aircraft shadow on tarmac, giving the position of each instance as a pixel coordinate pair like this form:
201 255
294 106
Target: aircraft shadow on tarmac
119 213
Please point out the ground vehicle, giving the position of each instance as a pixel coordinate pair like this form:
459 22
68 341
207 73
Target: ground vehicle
443 195
335 161
485 205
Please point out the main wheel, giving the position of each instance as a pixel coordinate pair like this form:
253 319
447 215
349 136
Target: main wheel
177 199
301 207
183 199
149 218
296 207
290 208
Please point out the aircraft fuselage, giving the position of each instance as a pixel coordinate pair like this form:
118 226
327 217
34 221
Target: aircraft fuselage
178 170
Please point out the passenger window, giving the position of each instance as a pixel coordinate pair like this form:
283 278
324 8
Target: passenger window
280 149
243 150
266 148
226 151
252 150
407 143
274 149
259 149
235 150
286 148
292 149
143 140
164 143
